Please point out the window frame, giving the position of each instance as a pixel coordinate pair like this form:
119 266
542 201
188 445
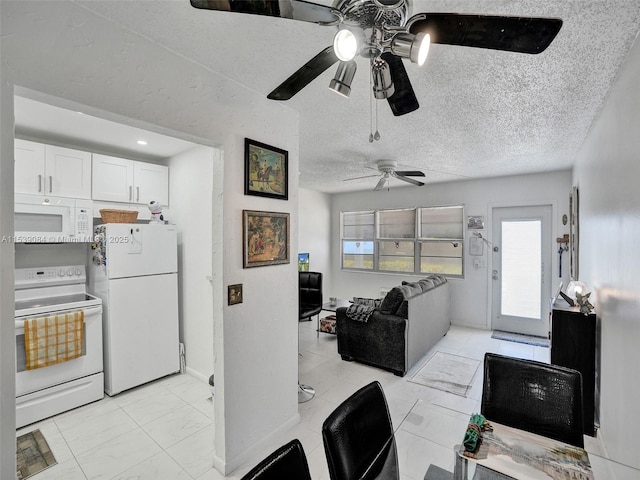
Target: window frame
344 239
417 239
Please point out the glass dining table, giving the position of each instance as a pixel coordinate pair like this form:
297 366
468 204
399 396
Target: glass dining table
510 453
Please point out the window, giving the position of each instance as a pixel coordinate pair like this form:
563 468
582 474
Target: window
441 240
394 228
409 240
358 240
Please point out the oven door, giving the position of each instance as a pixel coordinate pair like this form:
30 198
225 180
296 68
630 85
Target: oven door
28 381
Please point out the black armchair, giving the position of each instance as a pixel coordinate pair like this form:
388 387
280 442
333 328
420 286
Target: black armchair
287 462
309 295
358 438
533 396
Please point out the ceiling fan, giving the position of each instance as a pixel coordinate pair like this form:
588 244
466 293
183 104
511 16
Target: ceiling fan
383 31
387 169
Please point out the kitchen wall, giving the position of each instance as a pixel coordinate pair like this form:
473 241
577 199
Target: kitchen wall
74 57
191 193
315 234
470 296
7 330
607 172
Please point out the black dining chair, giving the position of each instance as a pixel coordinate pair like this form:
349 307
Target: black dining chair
359 442
287 462
309 295
358 438
533 396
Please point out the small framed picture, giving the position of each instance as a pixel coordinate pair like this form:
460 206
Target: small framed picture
475 222
266 170
234 294
265 238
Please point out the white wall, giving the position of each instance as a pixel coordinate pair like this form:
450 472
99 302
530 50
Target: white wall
470 301
7 331
607 172
191 200
71 54
315 233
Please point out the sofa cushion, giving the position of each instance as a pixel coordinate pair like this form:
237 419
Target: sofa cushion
427 284
391 301
403 310
437 279
410 290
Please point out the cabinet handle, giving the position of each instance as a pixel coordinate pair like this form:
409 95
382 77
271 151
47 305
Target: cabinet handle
130 193
39 183
137 194
50 184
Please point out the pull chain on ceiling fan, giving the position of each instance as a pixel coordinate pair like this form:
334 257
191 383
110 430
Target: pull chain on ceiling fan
383 31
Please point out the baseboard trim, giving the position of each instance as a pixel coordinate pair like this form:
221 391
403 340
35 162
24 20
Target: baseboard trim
238 461
196 374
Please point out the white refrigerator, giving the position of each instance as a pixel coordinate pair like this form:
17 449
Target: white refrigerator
134 271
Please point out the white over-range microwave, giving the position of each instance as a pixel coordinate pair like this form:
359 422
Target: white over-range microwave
41 219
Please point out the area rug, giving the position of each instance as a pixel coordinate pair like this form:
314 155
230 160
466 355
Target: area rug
448 372
33 454
520 338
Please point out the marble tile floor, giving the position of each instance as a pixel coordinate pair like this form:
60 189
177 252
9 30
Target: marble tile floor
164 430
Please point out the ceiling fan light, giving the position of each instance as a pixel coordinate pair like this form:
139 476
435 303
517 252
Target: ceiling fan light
345 45
341 83
413 47
420 46
382 82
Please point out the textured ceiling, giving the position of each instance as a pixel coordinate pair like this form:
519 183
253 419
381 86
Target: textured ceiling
482 112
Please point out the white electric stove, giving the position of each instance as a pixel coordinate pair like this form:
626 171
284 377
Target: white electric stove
43 392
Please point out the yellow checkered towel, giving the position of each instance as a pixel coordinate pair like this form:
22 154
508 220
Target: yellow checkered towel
53 339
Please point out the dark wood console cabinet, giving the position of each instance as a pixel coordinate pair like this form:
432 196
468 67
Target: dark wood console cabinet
574 344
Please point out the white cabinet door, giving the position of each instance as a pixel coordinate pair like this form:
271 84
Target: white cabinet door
67 172
151 183
29 167
112 178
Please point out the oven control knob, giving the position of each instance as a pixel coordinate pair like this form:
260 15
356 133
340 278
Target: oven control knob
78 272
61 273
70 272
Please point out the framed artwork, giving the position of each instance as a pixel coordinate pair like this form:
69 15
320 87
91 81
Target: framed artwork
303 262
265 238
574 231
266 170
234 294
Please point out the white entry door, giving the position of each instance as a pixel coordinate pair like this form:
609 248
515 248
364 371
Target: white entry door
521 269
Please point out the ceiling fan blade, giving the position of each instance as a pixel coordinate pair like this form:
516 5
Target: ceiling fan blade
410 173
404 99
305 75
409 180
381 183
293 9
358 178
513 34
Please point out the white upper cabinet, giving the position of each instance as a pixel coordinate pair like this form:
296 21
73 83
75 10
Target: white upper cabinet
112 178
151 183
122 180
50 170
29 167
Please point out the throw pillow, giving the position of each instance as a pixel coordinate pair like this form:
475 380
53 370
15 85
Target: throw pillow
391 301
